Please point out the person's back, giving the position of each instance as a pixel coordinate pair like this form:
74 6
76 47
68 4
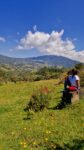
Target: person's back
74 79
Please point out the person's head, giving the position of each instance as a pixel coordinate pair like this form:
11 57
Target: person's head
74 72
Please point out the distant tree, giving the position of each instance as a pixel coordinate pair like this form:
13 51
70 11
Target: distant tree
79 66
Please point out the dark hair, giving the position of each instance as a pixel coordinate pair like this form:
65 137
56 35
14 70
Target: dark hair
69 72
74 72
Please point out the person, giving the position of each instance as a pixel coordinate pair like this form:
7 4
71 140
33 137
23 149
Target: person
66 81
74 80
71 83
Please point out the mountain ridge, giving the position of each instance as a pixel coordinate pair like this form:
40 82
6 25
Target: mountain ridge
50 60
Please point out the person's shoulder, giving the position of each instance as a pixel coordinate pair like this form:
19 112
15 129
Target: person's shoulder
77 77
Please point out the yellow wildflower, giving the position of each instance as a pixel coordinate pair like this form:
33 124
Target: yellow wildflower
12 133
34 143
21 143
25 146
25 128
49 131
46 139
24 143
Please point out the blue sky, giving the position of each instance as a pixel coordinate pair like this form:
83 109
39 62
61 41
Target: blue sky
37 27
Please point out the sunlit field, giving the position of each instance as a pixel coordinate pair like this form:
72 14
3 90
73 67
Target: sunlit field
44 130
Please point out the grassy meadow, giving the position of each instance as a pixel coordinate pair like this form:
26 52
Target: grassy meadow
50 129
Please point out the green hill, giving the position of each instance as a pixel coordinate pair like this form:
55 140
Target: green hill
49 129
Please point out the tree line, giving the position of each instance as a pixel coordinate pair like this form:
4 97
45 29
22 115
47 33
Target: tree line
15 75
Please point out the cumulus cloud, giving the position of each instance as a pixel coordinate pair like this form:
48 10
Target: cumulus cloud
52 44
2 39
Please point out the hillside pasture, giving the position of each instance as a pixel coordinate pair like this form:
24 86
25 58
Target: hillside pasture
44 130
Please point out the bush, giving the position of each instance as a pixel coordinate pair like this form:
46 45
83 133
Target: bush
39 77
79 66
39 100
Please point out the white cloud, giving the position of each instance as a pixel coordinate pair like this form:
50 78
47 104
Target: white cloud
52 44
35 28
2 39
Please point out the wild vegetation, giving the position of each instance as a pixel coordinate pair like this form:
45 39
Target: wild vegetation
14 74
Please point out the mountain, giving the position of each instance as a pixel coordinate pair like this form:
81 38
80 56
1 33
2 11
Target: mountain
40 61
53 60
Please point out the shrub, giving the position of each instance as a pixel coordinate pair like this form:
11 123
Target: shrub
79 66
39 100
